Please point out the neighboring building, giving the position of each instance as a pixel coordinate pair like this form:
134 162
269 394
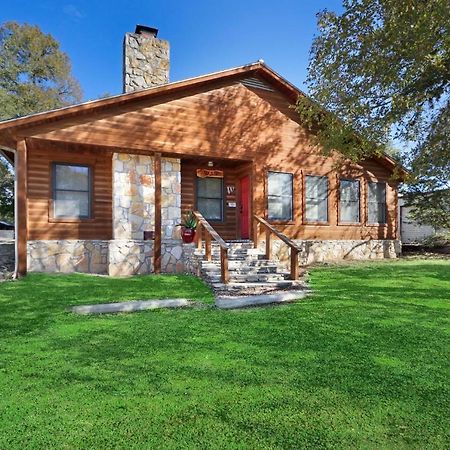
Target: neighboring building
410 231
6 231
93 178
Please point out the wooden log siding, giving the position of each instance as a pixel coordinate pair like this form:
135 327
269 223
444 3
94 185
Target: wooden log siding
222 121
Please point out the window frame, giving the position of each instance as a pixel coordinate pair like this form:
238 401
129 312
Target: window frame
280 221
385 204
71 219
306 221
339 221
222 204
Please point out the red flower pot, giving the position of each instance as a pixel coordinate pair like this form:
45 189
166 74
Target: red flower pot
188 235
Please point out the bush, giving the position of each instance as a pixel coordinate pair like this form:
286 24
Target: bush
438 240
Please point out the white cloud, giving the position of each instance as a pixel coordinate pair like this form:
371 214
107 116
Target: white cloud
72 11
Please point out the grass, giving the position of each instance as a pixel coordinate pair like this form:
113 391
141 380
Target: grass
363 363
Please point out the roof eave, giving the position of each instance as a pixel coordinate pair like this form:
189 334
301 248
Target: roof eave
92 105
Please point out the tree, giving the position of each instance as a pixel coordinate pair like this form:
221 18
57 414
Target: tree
430 208
35 75
380 73
6 192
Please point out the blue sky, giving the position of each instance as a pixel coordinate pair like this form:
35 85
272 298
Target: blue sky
205 36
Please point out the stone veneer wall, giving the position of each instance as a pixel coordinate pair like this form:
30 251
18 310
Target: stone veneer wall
68 256
191 260
337 250
171 198
146 62
116 258
133 195
130 257
134 213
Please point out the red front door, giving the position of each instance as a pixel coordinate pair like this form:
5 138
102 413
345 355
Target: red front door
244 207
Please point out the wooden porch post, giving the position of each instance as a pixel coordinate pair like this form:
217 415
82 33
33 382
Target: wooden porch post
157 242
21 213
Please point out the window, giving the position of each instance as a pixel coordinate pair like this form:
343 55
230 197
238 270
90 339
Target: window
316 198
376 199
210 198
71 191
280 196
349 201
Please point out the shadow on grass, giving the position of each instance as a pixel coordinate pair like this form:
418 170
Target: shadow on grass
361 363
30 304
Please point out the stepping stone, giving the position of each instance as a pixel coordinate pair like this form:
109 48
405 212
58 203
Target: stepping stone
132 306
228 302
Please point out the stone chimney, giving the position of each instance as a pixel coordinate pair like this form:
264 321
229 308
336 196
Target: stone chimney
145 59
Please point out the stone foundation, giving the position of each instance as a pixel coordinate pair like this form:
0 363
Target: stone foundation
7 255
338 250
190 259
130 257
115 257
67 256
172 256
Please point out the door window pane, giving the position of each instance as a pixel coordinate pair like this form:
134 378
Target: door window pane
71 191
210 208
210 198
349 201
316 209
280 196
376 200
210 187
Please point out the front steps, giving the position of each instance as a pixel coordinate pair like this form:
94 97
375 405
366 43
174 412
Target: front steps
250 272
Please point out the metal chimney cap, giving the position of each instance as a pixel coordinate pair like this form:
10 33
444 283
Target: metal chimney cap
146 31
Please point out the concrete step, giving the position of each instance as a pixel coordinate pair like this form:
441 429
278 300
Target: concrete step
232 251
240 264
246 278
250 272
241 271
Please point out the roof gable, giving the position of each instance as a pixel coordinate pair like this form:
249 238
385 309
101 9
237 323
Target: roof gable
257 77
245 72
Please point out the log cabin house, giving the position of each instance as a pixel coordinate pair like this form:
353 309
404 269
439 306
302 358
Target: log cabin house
101 186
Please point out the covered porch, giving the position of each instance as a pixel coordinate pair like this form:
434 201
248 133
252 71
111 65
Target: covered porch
221 190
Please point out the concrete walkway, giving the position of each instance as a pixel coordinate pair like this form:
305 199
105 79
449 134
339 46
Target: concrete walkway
244 301
131 306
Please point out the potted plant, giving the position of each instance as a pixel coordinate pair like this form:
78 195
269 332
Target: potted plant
188 226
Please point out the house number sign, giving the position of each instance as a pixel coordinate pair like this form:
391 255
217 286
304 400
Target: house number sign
214 173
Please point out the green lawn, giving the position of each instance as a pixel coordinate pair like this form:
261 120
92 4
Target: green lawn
362 363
